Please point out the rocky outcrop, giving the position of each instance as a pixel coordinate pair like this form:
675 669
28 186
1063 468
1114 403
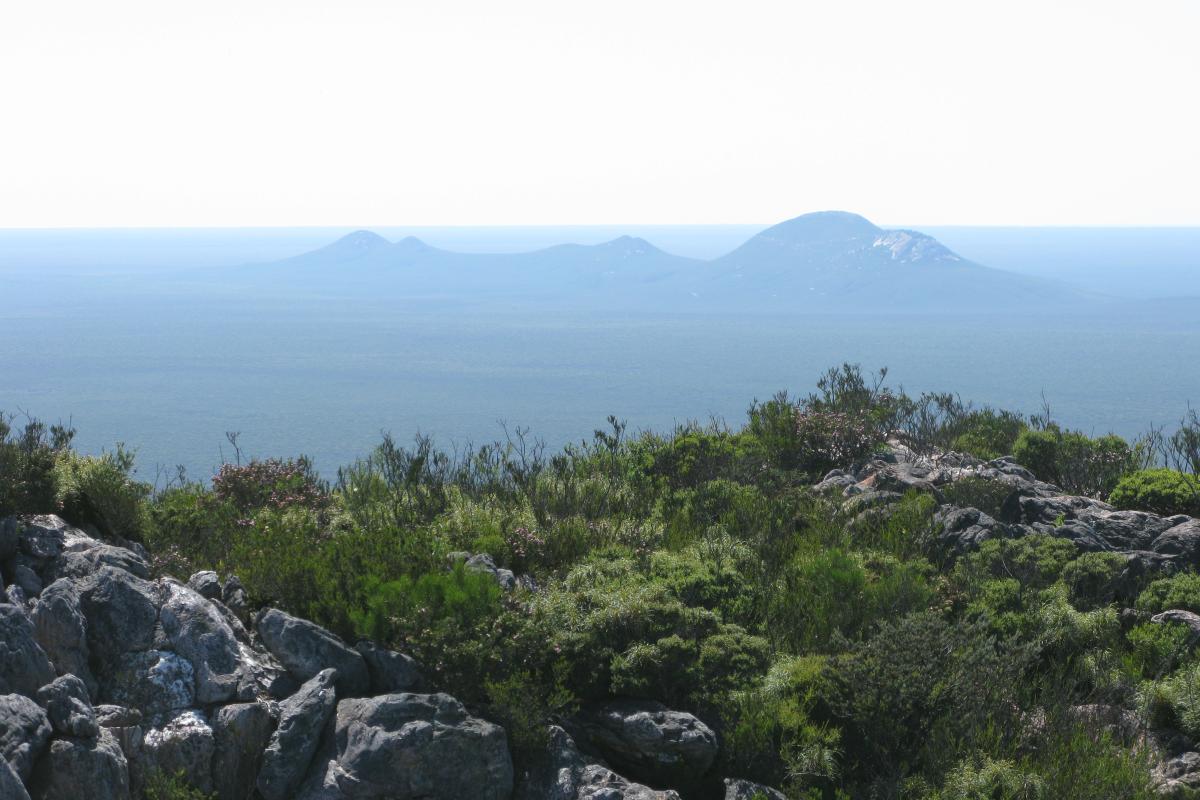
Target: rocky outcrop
24 732
61 630
11 787
302 719
413 747
68 707
121 610
306 649
737 789
566 774
241 732
650 742
73 766
24 667
389 671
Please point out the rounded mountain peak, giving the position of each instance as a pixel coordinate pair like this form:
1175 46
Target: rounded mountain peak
823 226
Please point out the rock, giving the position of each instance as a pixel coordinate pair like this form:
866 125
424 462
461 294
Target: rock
425 746
68 707
24 731
1182 617
110 716
198 632
302 719
155 682
1177 777
121 611
9 526
61 630
964 529
306 649
83 562
183 745
233 595
650 742
11 787
565 774
15 596
241 732
482 562
206 584
1182 539
738 789
45 536
389 671
74 768
24 667
27 579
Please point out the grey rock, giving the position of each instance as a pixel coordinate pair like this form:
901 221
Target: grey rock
182 745
24 731
241 733
426 746
68 707
306 649
9 526
121 611
74 766
24 667
61 630
389 671
650 742
233 595
482 562
206 584
155 682
1182 539
964 529
302 719
1178 776
15 596
197 631
110 716
738 789
45 536
80 563
27 579
1181 617
11 787
566 774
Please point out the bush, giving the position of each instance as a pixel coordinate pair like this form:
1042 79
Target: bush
102 492
1177 591
982 778
988 433
1091 579
828 439
1160 491
27 459
163 786
1076 463
272 483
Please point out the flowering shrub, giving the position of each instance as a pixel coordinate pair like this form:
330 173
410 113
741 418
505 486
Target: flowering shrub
830 439
273 483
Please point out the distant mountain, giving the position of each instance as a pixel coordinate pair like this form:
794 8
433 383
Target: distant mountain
826 261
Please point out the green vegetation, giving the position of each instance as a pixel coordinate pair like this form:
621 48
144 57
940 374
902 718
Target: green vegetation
835 649
1161 491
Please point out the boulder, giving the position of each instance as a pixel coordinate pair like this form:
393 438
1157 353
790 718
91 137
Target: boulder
73 768
1176 615
738 789
121 611
110 716
650 742
11 787
1182 539
482 562
68 707
45 536
9 527
426 746
24 576
206 584
182 745
1178 776
302 719
198 632
964 529
24 667
233 595
24 731
83 561
389 671
241 732
155 682
565 774
61 630
306 649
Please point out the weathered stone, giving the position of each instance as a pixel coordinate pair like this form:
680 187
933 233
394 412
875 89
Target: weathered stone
24 731
68 707
964 529
405 746
154 682
61 629
565 774
650 742
302 719
11 787
196 630
1182 540
121 611
241 732
110 716
9 526
80 563
46 536
233 595
482 562
74 768
206 584
389 671
183 745
24 576
738 789
24 667
305 649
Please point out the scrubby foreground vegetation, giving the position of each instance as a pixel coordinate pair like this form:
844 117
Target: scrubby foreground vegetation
857 594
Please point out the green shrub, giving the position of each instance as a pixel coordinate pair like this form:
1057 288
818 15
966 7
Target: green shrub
1155 650
988 433
986 495
1092 579
1177 591
160 785
102 492
982 778
1075 462
189 529
27 459
1160 491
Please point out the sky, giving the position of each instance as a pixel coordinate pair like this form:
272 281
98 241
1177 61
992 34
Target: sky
476 112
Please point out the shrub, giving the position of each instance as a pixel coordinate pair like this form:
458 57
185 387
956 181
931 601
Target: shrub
982 778
830 439
272 483
102 492
1177 591
1091 579
27 459
974 492
160 785
988 433
1154 650
1075 462
1161 491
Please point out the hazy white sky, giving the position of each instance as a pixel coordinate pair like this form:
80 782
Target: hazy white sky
365 112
